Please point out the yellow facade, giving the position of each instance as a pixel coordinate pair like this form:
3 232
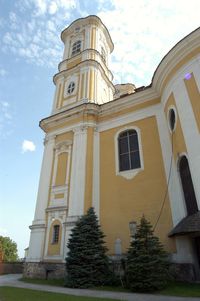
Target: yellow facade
54 248
130 199
179 145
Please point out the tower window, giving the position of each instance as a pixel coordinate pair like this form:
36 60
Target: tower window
129 155
103 55
172 119
56 230
76 48
70 88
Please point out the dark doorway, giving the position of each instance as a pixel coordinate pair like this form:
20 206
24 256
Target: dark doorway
187 185
197 248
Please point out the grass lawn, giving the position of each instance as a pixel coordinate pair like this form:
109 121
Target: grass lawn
173 289
181 289
22 294
55 282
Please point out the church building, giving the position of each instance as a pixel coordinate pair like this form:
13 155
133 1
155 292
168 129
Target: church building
124 150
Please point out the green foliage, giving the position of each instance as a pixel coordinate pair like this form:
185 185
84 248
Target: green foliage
8 248
87 264
147 264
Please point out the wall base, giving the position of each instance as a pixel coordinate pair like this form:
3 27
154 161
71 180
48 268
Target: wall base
44 270
183 272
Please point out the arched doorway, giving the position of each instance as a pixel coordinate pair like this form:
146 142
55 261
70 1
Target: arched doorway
187 186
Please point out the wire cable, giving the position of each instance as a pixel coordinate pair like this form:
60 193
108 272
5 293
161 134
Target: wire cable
167 188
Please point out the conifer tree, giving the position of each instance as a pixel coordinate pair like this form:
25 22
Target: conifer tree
147 264
86 263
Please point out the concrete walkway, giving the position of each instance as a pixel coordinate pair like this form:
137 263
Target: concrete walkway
13 280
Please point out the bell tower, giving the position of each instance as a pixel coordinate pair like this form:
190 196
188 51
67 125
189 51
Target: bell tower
83 73
69 173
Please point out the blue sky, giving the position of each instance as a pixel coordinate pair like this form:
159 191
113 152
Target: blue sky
143 32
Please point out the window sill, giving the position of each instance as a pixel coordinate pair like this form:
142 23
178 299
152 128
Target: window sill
129 174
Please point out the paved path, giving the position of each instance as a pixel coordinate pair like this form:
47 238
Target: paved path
13 280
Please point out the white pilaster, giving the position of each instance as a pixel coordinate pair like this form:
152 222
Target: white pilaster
96 173
190 133
44 183
174 189
36 243
77 184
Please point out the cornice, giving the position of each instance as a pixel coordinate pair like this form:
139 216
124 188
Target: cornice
79 55
128 101
116 105
37 226
60 208
68 115
180 51
85 63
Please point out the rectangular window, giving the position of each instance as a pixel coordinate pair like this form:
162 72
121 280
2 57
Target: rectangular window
56 230
128 147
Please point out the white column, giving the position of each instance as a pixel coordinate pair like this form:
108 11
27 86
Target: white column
77 184
44 183
36 244
190 133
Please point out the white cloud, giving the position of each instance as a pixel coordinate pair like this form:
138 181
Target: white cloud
144 32
53 8
41 7
28 145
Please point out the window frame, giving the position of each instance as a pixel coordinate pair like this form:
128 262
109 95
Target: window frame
71 88
170 108
76 47
103 55
130 173
55 236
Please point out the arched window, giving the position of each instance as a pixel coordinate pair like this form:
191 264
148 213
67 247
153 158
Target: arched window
128 147
187 186
76 48
55 236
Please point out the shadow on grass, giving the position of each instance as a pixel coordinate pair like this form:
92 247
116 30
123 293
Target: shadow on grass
181 289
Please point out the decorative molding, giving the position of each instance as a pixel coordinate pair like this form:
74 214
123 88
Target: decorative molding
71 221
63 146
60 208
80 129
37 226
49 139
